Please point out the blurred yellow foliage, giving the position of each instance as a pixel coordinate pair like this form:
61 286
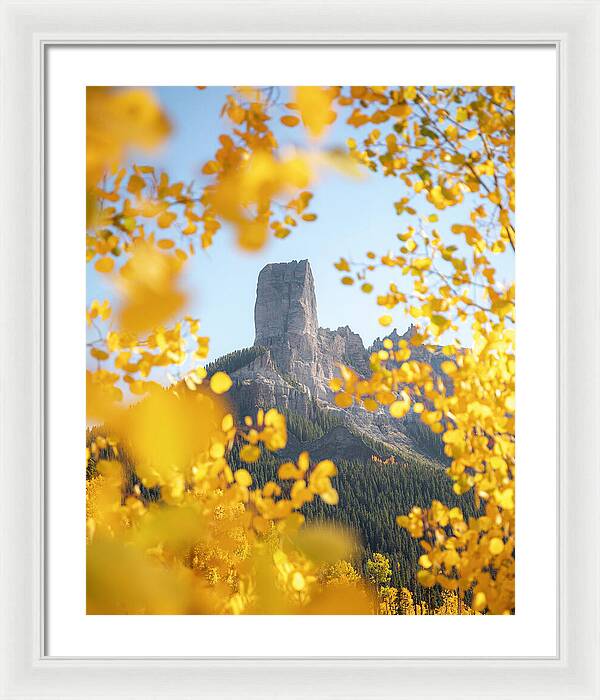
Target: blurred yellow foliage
118 120
212 544
314 104
149 292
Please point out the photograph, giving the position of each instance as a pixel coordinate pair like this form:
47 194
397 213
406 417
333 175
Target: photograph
300 350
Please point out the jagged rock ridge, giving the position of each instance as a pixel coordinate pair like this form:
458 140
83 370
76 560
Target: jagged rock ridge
293 360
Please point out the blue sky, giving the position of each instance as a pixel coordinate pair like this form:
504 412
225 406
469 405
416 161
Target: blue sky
354 215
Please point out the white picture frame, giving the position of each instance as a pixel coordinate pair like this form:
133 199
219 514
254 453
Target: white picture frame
28 29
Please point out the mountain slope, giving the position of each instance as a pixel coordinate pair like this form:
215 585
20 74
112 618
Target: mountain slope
292 361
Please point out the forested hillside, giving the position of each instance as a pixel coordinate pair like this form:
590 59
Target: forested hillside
371 493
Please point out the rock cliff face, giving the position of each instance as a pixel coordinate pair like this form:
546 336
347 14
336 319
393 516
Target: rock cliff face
285 318
295 360
286 304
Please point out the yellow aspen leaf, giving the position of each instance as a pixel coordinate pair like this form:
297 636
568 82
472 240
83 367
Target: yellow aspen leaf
243 477
137 387
303 461
288 470
425 562
451 558
290 120
211 167
220 382
217 450
165 219
343 400
314 104
506 499
236 113
136 184
181 255
399 409
401 110
271 489
448 367
104 265
99 354
227 423
165 244
281 232
189 229
342 265
426 578
421 263
385 320
298 581
260 524
441 323
189 382
250 453
452 132
479 601
200 372
335 384
385 398
331 497
347 281
496 546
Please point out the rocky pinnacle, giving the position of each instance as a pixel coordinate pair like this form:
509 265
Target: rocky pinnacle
285 302
297 359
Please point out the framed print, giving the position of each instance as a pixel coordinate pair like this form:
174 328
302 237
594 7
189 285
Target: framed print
303 350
